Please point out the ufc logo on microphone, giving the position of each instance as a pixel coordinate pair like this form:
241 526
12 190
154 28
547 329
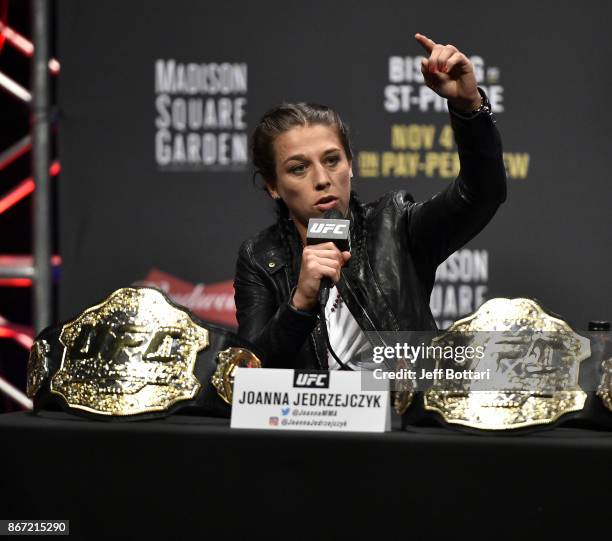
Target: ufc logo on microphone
311 379
322 227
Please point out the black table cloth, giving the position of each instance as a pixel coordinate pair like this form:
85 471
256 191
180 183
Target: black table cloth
188 477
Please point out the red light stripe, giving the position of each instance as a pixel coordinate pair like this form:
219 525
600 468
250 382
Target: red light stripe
21 338
3 20
18 261
20 152
24 189
23 45
25 260
17 40
15 282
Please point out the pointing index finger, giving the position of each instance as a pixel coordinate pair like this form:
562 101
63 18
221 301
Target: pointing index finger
426 43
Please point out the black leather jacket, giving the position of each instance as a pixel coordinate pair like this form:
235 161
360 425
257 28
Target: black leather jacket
406 241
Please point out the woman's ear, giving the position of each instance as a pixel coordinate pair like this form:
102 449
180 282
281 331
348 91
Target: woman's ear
272 191
351 169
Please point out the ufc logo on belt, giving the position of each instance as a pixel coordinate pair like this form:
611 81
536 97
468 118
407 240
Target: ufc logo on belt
107 341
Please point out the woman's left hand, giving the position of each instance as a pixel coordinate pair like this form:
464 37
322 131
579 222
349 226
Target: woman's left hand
449 73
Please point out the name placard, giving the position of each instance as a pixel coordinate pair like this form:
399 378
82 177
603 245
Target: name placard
282 399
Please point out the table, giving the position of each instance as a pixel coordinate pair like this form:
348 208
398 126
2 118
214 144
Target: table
187 477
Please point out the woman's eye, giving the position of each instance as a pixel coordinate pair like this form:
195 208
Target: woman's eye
297 170
333 160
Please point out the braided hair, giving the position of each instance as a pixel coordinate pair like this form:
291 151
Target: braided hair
275 122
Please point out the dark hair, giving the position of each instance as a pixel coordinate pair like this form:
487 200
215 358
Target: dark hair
276 121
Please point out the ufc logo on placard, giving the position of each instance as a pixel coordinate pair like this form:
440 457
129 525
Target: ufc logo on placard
311 379
321 227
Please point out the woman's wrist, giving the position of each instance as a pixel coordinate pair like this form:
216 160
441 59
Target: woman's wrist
299 302
467 106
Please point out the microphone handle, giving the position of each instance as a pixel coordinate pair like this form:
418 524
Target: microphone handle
324 288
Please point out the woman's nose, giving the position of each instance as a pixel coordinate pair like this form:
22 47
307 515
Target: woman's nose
321 177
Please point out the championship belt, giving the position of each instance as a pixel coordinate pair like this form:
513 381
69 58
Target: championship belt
228 361
135 355
604 391
533 360
403 395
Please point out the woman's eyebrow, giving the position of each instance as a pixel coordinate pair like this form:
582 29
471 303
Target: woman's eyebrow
300 157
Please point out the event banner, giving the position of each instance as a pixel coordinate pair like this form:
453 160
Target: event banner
158 100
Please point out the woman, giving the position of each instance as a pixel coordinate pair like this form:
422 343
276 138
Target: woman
303 153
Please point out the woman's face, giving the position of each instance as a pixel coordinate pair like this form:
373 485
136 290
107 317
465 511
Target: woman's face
313 173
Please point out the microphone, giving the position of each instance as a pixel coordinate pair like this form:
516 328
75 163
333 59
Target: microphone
332 227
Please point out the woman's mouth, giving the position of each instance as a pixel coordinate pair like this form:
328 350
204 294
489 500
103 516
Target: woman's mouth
326 203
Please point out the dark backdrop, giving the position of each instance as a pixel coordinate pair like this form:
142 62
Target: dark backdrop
125 211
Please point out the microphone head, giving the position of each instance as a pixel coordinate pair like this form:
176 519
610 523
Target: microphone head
332 227
333 214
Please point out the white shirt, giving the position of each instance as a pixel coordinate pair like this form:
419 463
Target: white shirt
345 335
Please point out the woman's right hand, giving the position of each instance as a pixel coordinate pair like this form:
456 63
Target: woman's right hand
318 261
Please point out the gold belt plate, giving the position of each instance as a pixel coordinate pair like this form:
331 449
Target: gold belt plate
228 360
534 359
133 353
